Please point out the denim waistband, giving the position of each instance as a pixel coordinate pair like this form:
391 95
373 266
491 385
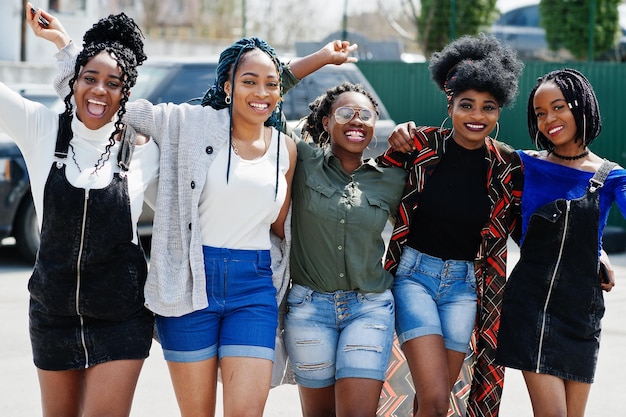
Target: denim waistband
236 254
449 268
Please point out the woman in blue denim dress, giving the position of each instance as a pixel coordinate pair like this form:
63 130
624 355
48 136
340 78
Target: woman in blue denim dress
553 303
90 331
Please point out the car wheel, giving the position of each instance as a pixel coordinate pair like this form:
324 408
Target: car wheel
27 230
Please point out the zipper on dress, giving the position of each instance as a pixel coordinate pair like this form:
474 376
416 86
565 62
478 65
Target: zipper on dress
556 268
79 278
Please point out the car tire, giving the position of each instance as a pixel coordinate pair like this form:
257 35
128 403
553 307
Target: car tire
27 230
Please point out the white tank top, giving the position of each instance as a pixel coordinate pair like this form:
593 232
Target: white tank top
238 214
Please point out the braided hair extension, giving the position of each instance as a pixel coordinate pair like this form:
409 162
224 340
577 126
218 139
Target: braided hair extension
226 69
121 38
313 127
581 99
478 63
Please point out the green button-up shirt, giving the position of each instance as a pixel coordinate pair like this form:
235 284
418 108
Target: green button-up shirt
337 221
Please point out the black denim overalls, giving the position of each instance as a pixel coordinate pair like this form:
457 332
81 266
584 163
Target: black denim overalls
553 301
86 290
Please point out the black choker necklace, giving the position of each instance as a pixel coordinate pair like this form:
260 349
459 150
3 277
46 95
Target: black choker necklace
569 158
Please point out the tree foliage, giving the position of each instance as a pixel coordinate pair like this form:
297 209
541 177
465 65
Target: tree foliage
439 19
567 25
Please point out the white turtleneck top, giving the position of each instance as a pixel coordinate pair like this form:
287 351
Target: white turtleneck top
34 128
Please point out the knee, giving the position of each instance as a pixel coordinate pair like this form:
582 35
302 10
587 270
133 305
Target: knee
434 407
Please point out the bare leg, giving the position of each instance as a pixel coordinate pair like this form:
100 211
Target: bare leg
317 402
357 397
105 389
246 385
552 396
110 387
61 392
195 385
428 361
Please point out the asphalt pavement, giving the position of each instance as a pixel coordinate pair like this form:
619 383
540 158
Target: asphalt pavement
154 397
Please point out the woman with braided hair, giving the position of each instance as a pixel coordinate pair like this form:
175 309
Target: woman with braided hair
340 311
224 185
553 303
90 331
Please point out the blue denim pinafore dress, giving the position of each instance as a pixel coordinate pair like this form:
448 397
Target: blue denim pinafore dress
553 301
86 289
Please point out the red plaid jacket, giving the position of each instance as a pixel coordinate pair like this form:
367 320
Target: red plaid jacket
504 183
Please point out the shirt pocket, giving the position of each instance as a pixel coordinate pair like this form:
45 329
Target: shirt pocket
319 198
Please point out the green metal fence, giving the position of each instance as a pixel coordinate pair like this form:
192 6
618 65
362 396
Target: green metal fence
409 94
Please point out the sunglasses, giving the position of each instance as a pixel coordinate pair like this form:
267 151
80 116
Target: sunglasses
345 114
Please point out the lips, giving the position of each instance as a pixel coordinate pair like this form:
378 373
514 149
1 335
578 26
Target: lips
354 135
261 107
96 108
555 130
475 127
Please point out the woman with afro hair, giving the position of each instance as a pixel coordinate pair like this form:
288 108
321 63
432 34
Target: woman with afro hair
448 248
90 331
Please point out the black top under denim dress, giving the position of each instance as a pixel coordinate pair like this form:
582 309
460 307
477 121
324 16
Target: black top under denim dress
553 301
86 290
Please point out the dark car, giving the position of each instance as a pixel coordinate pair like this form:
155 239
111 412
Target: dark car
519 27
17 212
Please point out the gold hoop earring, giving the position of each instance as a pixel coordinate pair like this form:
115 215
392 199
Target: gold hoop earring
323 140
227 100
441 127
375 143
497 131
537 141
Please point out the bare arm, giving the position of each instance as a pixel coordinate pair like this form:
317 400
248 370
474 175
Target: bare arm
336 52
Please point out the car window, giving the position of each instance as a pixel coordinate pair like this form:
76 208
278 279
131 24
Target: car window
524 16
177 84
296 104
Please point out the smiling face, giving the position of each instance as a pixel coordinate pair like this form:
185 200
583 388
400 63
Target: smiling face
474 116
257 87
352 136
554 117
98 90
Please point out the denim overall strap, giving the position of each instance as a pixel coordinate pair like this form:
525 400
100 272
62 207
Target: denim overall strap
127 147
598 178
64 135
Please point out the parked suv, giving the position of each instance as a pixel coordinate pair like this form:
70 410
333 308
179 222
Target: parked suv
17 212
519 27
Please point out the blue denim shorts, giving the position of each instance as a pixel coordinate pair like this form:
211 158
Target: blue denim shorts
435 297
242 315
344 334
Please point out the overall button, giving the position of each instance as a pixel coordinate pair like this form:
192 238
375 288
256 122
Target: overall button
209 150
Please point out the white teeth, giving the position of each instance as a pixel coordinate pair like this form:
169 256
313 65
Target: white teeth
259 106
96 102
554 130
473 126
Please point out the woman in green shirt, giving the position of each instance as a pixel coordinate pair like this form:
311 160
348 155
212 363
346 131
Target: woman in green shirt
340 319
